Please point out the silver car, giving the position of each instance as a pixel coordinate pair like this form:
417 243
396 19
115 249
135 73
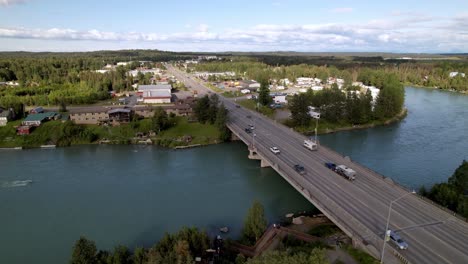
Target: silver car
398 241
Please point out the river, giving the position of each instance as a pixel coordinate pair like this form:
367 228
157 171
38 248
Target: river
423 149
131 195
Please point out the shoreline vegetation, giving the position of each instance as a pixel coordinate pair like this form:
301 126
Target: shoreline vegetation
311 239
181 136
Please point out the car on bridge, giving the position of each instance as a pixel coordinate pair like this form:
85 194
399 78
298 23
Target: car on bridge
344 171
275 150
300 169
331 166
396 239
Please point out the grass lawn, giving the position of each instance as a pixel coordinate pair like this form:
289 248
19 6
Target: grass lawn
251 104
8 137
200 133
230 94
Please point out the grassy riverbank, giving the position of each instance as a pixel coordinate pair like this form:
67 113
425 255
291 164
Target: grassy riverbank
325 127
182 133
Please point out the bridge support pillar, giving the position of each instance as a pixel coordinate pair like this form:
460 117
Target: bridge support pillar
254 156
234 137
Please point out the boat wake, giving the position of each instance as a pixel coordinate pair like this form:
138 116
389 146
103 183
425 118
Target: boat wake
15 184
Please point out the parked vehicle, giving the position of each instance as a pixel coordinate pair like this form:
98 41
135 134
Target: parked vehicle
251 127
396 239
348 173
275 150
299 168
247 130
237 106
310 144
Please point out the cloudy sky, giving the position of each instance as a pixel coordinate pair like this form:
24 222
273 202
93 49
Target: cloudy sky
238 25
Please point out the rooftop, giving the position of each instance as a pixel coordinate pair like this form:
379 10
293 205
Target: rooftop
40 117
154 87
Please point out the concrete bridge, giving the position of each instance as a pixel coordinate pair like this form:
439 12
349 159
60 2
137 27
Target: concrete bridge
360 208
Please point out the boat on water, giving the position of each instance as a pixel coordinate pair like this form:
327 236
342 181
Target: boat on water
47 146
224 229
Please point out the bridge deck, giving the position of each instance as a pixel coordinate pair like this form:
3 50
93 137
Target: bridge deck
359 208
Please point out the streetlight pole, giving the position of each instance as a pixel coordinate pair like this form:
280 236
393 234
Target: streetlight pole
388 222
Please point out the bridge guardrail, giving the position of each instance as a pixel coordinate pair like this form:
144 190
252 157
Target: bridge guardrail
425 199
324 206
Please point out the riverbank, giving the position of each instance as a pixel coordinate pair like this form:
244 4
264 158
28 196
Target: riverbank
399 117
436 88
183 133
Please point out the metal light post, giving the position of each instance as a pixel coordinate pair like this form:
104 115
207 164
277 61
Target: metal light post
253 139
388 222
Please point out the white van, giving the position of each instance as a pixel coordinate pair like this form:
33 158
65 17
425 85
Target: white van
310 144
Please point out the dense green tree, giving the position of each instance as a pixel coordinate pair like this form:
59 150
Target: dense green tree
264 97
299 107
390 99
213 108
139 256
201 109
452 194
221 120
459 179
255 223
121 255
84 252
160 119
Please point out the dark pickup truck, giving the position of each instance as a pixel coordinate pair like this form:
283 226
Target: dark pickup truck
299 168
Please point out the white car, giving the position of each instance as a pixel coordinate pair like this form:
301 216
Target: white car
275 150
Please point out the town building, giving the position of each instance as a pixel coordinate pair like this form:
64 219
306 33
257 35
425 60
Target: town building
155 94
89 115
120 115
38 119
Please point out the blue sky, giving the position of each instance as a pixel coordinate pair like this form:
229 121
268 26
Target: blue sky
295 25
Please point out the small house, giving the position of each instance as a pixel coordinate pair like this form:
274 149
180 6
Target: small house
38 119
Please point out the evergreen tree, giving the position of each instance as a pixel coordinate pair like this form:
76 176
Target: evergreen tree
299 107
160 119
264 97
84 252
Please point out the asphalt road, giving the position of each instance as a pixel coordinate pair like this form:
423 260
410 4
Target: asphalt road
359 208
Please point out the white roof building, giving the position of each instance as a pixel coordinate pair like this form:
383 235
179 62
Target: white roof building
155 94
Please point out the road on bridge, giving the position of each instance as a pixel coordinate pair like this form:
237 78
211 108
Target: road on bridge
360 208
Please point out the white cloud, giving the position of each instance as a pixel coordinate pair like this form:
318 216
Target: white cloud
343 10
403 34
11 2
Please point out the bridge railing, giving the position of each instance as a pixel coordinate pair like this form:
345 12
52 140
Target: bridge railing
402 187
321 201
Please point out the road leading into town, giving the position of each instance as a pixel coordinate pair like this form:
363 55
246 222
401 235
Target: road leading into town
360 208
